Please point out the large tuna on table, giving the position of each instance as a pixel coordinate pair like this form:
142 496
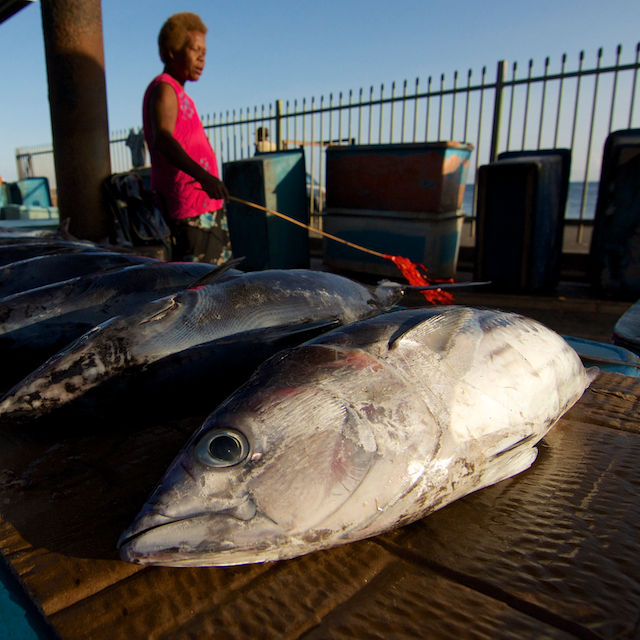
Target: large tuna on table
364 429
291 300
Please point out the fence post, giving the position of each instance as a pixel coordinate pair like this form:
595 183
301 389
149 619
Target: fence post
497 111
279 125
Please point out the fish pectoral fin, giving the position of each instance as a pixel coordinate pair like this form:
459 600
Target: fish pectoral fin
592 373
167 306
507 465
299 332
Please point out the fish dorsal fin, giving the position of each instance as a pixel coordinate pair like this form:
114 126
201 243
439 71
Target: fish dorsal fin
215 274
437 332
436 354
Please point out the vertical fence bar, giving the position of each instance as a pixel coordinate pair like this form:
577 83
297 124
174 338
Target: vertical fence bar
313 108
235 136
415 111
381 112
279 125
370 113
475 179
575 110
350 111
585 184
330 113
466 106
513 90
615 85
426 129
215 139
393 104
350 115
453 104
321 146
226 129
285 144
340 118
272 120
440 109
497 111
360 118
555 136
404 110
544 93
526 105
633 88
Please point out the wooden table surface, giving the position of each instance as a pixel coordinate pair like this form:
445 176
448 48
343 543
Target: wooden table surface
551 553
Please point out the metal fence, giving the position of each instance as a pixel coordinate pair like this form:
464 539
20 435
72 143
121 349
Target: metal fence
566 107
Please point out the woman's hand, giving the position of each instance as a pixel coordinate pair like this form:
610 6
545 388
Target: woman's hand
214 187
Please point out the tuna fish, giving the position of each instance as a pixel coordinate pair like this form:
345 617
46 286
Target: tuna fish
21 251
364 429
259 300
38 271
36 324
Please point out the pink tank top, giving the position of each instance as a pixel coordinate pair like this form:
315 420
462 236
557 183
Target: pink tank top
184 200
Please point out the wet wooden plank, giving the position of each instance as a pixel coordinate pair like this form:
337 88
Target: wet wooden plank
551 553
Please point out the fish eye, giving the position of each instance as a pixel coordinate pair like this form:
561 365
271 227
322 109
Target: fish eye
222 448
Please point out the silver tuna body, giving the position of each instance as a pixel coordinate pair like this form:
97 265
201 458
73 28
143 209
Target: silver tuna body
362 430
188 318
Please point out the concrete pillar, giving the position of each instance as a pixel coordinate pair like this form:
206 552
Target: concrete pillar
78 102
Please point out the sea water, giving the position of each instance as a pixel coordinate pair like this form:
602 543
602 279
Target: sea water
574 200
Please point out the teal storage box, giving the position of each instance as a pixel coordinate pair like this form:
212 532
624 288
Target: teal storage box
276 181
432 239
34 192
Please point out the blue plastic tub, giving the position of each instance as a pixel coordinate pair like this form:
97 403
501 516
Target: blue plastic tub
607 357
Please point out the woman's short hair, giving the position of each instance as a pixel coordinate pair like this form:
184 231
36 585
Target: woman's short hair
174 34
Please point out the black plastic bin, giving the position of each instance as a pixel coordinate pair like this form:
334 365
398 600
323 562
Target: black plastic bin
520 216
614 262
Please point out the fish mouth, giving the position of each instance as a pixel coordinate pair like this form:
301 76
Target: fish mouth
205 539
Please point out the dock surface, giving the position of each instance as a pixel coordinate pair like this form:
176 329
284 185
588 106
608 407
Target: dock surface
551 553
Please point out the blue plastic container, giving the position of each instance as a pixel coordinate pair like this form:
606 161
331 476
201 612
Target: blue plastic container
520 222
276 181
34 192
431 239
607 357
614 262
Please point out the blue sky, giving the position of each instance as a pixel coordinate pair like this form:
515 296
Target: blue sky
261 51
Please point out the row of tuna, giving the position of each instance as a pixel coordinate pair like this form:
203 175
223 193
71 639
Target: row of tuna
339 415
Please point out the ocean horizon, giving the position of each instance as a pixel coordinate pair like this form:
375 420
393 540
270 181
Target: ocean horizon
574 200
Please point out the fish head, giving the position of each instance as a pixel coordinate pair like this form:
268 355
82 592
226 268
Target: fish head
271 474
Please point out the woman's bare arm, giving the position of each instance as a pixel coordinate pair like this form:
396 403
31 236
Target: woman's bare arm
163 112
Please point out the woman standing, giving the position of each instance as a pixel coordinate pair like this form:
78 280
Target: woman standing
184 168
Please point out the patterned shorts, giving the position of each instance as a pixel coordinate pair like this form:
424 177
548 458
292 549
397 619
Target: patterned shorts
203 238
